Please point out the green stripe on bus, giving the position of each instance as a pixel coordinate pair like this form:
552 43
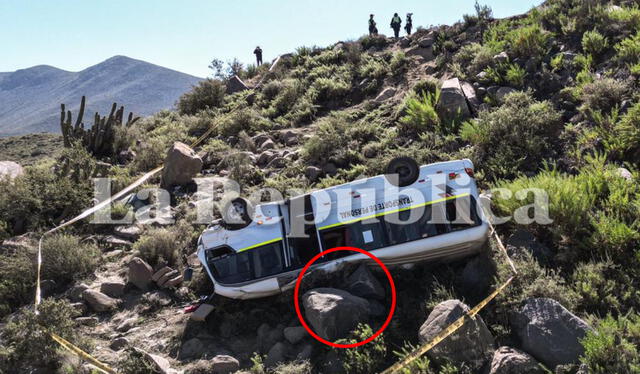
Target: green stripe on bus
393 211
260 244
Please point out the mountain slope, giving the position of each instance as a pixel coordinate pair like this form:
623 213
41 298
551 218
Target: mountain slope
30 98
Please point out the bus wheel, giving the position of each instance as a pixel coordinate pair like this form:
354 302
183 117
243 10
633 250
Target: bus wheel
402 171
237 214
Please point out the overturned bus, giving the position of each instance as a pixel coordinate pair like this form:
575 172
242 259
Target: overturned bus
410 214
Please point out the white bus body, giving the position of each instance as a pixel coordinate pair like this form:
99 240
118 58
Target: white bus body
265 257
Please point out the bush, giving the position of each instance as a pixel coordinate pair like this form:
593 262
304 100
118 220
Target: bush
628 133
398 63
603 94
65 258
248 119
628 50
613 346
594 43
373 41
364 359
17 282
421 114
324 90
528 41
302 367
165 245
598 288
136 362
515 76
514 138
208 94
26 342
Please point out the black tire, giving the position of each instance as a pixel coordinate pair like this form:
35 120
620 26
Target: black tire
237 214
402 171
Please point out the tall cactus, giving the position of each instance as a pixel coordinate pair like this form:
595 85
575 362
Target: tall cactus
98 140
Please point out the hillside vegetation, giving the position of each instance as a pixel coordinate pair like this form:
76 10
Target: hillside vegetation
557 109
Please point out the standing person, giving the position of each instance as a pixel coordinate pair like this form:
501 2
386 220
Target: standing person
373 30
409 24
396 22
258 53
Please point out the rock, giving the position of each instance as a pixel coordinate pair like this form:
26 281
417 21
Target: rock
98 301
140 273
522 240
471 345
312 173
625 173
501 58
386 94
125 157
192 348
268 144
87 321
426 54
295 335
453 103
200 314
235 84
265 157
493 90
334 313
503 92
113 289
470 95
160 273
166 276
113 243
119 343
10 169
276 355
75 294
268 336
160 364
549 332
427 41
477 276
128 232
362 283
277 163
507 360
481 76
306 353
127 324
330 168
223 364
404 42
172 282
289 138
181 165
79 307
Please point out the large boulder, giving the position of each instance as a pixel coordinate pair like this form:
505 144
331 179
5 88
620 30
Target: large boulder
140 273
10 169
362 283
113 288
334 313
276 355
98 301
295 335
235 84
472 344
522 241
223 364
181 166
386 94
470 95
549 332
507 360
453 103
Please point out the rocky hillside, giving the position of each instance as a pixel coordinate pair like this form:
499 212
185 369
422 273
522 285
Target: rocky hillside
31 97
544 101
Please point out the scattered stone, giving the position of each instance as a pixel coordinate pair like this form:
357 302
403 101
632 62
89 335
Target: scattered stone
113 242
404 42
503 92
502 57
75 294
235 84
427 41
312 173
470 95
362 283
181 165
128 232
306 353
268 144
223 364
79 307
127 324
10 169
330 168
113 289
522 240
426 54
507 360
265 157
192 348
125 157
386 94
276 355
202 312
453 103
140 273
173 282
481 76
476 277
625 173
295 335
289 138
98 301
471 345
549 332
334 313
160 364
161 273
119 343
87 321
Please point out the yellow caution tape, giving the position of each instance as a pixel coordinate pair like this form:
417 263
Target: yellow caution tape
418 352
82 354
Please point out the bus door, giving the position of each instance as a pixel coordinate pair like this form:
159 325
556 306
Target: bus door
301 248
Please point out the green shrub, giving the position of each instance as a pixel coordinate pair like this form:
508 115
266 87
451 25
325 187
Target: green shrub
165 245
17 282
421 365
528 41
516 75
373 68
375 41
557 62
628 133
475 58
613 346
324 90
136 362
398 63
625 18
515 137
364 359
421 112
291 90
302 367
603 94
247 119
426 86
208 94
594 43
599 288
65 258
628 50
26 342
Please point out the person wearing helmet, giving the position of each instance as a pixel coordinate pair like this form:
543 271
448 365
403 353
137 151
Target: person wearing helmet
396 22
373 30
408 25
258 53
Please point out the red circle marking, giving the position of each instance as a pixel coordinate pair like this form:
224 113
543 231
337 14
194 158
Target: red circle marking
297 292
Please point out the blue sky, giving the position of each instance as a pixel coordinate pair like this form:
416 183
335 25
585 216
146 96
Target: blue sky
186 35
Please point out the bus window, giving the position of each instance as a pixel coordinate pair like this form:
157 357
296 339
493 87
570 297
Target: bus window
462 213
232 268
400 231
267 260
303 249
367 235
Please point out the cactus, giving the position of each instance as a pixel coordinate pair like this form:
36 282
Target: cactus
97 140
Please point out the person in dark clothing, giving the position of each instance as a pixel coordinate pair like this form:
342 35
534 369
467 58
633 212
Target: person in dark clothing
409 24
396 22
258 53
373 30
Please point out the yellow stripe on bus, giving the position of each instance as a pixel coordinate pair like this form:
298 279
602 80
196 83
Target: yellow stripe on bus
393 211
260 244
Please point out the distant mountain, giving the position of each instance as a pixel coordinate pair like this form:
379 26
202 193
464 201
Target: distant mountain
30 98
